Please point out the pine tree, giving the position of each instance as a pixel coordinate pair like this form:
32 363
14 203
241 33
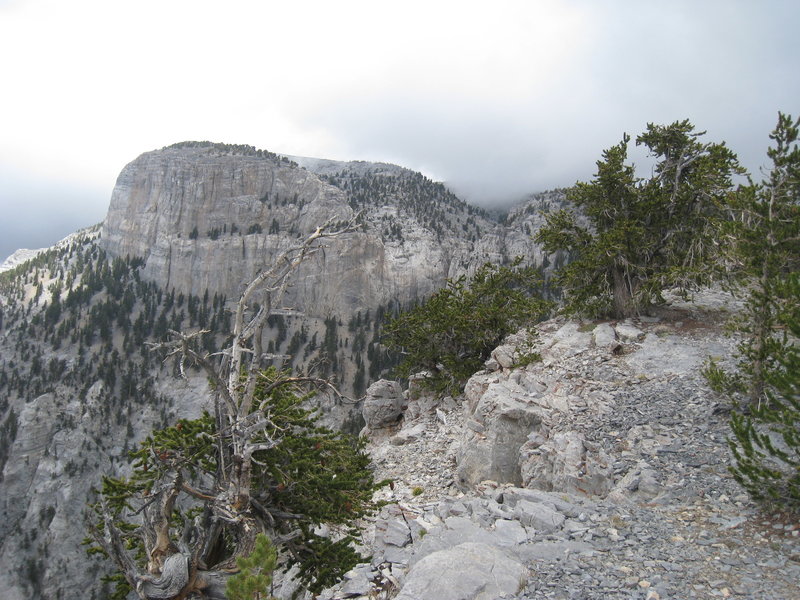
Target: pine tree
631 238
764 249
255 572
201 490
451 334
766 439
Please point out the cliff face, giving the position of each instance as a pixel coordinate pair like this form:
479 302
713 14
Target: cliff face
200 217
209 218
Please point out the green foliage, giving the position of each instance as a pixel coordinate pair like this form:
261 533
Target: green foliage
319 473
314 476
255 572
766 439
323 561
452 334
428 202
765 249
235 149
630 238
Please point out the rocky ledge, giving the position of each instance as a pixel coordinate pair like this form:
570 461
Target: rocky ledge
618 488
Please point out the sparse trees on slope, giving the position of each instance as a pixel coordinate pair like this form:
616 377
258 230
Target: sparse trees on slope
203 489
641 235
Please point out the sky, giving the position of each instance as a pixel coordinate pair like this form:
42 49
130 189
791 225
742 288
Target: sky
497 99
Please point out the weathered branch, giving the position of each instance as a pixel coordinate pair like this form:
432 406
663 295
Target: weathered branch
157 523
173 579
273 283
197 493
181 345
318 381
110 540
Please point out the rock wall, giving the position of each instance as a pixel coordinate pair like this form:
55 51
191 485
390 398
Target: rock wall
205 218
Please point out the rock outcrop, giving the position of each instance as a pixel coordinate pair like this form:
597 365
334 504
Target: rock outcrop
206 217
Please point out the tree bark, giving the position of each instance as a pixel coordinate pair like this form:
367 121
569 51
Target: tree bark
622 297
172 581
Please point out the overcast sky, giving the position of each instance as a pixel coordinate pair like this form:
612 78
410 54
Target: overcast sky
497 99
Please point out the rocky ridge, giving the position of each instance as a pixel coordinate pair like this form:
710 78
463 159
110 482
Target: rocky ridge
621 409
18 257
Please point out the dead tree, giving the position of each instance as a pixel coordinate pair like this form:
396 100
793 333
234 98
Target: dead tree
226 511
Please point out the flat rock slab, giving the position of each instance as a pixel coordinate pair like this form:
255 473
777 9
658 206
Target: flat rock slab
468 571
672 354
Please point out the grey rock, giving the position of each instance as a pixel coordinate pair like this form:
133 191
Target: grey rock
467 571
628 332
539 516
396 532
162 196
604 335
509 533
555 550
640 482
509 352
568 341
565 463
504 410
555 500
405 436
383 404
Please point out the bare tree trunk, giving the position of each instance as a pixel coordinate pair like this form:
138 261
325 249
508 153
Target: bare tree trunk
623 305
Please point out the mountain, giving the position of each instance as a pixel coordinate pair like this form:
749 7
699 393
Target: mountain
187 226
210 216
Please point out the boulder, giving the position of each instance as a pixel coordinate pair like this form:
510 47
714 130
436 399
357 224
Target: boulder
569 340
628 332
510 351
604 336
411 434
383 404
469 571
539 516
508 415
392 536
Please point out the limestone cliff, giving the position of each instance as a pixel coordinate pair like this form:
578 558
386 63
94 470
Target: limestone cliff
208 216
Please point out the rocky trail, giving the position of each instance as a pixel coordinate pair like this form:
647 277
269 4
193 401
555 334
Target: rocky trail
619 487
